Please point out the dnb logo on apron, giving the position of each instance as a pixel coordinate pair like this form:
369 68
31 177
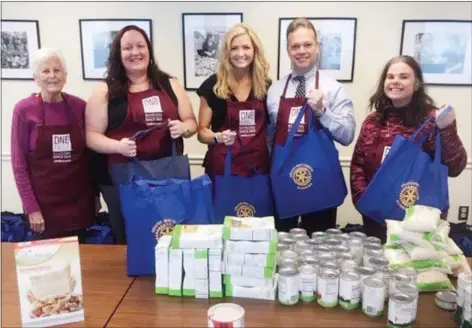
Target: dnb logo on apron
61 148
152 110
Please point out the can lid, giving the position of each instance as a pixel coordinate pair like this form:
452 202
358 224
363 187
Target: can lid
402 298
294 231
226 312
282 247
288 271
374 282
328 273
373 240
366 270
333 231
307 252
346 256
379 261
314 242
341 249
368 245
407 288
447 296
358 234
286 240
400 277
318 234
289 254
307 268
350 275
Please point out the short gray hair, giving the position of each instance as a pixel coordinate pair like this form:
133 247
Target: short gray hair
44 53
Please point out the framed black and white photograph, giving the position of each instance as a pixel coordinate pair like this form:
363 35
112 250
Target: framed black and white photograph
202 35
96 36
441 47
337 38
20 40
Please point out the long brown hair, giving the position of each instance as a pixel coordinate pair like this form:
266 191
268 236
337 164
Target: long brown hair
116 77
421 103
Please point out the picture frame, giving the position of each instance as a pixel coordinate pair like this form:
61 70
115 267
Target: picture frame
337 37
20 40
442 48
96 36
202 34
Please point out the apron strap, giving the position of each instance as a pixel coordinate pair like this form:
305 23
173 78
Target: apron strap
42 116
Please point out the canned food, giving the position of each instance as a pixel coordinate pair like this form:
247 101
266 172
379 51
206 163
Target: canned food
368 254
365 272
409 272
288 291
331 265
333 232
282 247
349 290
226 315
289 262
372 246
358 234
378 262
290 254
283 234
373 240
287 241
314 242
384 274
297 231
300 236
300 246
446 300
320 249
467 314
307 252
373 297
400 311
348 265
463 279
395 279
326 256
341 257
345 239
328 288
411 290
310 260
318 235
357 248
308 276
341 249
332 242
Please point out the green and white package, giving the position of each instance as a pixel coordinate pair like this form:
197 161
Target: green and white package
249 228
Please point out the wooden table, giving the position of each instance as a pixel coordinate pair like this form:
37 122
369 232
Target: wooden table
142 308
104 284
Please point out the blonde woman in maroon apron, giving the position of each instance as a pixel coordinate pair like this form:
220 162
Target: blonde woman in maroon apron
233 112
136 95
49 154
326 98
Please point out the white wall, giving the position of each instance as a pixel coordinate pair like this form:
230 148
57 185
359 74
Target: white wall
378 39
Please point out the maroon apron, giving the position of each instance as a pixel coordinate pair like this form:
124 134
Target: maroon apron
60 176
251 155
288 112
146 109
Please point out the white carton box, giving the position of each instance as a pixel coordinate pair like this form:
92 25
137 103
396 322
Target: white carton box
249 228
175 272
198 236
201 263
248 281
201 288
215 256
216 284
49 282
251 247
162 265
262 293
256 260
189 273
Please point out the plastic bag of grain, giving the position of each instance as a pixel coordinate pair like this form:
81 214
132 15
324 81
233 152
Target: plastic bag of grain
419 218
432 281
418 253
396 236
396 256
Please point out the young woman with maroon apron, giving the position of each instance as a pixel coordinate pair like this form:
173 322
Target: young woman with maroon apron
240 172
60 177
306 173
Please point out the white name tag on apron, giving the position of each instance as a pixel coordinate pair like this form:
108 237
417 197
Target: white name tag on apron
152 109
385 153
294 111
61 148
247 122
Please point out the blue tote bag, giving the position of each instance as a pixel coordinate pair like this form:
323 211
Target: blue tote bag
241 196
306 173
397 183
151 209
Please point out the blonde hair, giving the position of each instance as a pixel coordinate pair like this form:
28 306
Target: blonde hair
259 66
44 53
298 23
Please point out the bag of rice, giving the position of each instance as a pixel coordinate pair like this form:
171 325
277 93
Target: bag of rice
461 264
427 265
396 235
418 253
396 256
452 248
421 218
432 281
441 236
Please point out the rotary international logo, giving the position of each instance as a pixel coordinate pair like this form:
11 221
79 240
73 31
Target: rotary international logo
244 210
163 227
409 194
302 175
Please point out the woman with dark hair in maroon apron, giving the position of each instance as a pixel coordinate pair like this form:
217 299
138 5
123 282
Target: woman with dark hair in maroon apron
136 95
233 113
49 154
